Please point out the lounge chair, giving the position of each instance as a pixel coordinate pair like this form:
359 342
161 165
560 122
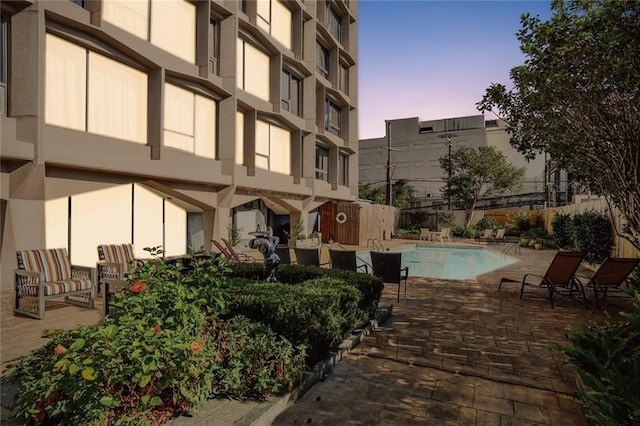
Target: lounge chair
237 257
388 266
488 233
425 234
611 276
498 237
559 279
445 235
346 260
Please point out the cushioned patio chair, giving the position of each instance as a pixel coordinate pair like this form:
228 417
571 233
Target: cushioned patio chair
114 261
560 277
346 260
611 276
388 266
45 274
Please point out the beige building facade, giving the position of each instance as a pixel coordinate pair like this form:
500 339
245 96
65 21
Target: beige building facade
414 148
164 122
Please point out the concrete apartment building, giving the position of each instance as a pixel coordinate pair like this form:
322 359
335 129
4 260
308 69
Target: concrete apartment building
162 122
415 146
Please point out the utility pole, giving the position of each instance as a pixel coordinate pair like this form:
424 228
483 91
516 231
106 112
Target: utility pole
388 192
388 195
448 136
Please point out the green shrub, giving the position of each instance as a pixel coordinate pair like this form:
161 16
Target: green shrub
520 221
487 222
562 225
253 360
163 353
592 235
318 313
369 286
462 232
606 358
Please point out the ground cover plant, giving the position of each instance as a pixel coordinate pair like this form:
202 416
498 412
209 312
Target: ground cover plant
606 359
182 334
165 352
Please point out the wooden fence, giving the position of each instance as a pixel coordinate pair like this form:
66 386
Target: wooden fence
621 246
356 223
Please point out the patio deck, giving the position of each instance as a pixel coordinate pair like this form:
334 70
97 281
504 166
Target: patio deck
453 352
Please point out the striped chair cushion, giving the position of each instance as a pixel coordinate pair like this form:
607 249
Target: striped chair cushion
118 253
54 264
66 286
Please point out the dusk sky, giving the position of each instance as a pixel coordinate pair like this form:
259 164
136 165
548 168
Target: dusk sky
434 59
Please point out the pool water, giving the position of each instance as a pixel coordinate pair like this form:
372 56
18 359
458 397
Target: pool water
450 263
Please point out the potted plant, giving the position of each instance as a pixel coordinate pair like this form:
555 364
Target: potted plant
525 237
296 234
538 244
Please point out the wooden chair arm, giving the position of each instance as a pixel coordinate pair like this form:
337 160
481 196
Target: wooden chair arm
30 274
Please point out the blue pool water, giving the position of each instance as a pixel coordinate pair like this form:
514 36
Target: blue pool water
451 263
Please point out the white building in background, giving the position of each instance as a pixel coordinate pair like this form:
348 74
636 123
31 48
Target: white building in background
415 146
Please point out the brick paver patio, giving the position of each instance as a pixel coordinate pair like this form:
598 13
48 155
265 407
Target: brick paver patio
453 352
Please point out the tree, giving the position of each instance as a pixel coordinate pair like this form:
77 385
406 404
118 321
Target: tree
577 97
366 191
476 174
401 190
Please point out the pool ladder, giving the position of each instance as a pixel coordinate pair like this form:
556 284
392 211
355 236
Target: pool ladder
375 244
515 247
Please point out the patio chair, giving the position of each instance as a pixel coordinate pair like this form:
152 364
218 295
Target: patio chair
488 233
285 255
424 234
308 256
559 279
45 274
445 235
388 266
237 257
346 260
611 276
114 261
498 237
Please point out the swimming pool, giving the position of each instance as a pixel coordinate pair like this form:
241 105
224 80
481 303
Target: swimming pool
450 263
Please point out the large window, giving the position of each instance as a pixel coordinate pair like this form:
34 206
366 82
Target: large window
291 93
214 47
252 73
322 163
273 148
189 121
239 138
343 78
275 18
334 23
343 170
150 21
90 92
332 117
322 60
4 56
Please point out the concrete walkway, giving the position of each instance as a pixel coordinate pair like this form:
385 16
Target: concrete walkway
453 352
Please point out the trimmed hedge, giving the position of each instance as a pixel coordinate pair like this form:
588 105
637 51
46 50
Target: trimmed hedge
370 287
310 306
